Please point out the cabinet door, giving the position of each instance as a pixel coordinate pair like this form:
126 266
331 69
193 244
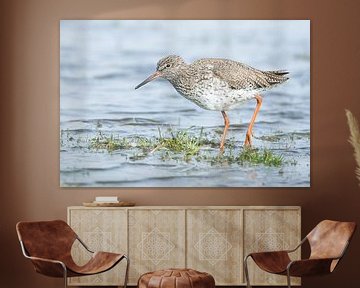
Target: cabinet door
101 230
156 240
214 244
270 230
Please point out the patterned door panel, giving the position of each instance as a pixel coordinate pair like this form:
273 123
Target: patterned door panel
157 240
214 241
270 230
100 230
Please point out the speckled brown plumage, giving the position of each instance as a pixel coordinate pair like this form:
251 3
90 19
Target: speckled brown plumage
240 76
217 84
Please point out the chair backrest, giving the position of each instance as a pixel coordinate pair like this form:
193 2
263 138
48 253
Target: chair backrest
46 239
329 239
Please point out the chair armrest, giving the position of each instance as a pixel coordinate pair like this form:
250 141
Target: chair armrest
45 260
281 251
48 267
268 253
271 261
315 266
298 246
84 245
309 267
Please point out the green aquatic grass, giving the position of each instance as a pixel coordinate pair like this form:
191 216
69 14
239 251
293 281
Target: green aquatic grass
177 142
109 143
181 142
183 145
256 156
245 156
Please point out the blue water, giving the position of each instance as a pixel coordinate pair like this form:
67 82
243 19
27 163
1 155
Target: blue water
101 63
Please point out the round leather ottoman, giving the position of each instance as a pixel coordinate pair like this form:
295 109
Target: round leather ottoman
176 278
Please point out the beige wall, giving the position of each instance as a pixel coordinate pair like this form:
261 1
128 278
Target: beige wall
29 110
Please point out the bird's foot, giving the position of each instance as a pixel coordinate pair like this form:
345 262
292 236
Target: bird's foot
221 151
247 143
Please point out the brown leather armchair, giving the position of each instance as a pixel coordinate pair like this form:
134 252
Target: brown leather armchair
328 242
48 245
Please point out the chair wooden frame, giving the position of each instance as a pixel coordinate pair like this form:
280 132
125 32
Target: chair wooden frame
65 271
314 265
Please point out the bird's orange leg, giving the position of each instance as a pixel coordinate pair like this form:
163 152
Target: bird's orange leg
227 123
253 118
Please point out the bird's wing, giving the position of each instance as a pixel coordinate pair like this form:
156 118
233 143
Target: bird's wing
241 76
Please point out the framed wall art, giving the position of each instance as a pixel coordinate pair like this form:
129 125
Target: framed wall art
218 103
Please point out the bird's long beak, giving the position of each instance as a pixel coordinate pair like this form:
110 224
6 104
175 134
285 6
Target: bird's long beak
150 78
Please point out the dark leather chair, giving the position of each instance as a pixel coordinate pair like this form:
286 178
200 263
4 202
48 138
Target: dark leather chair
328 242
48 245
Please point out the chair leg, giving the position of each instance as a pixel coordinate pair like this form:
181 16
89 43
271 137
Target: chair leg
65 275
288 278
246 270
127 271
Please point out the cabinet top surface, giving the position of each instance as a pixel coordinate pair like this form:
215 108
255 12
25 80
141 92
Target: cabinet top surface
192 207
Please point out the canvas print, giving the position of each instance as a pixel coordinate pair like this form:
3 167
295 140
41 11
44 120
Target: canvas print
184 103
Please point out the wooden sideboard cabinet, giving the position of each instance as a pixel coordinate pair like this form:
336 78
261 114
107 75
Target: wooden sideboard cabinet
211 239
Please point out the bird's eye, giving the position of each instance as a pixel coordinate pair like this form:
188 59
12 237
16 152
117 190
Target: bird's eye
168 66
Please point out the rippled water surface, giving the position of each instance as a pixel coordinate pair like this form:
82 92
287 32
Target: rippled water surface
102 62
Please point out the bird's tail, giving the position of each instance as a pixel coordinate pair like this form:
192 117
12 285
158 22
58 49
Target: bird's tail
276 77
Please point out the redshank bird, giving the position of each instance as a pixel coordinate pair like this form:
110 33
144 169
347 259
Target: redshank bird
218 84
